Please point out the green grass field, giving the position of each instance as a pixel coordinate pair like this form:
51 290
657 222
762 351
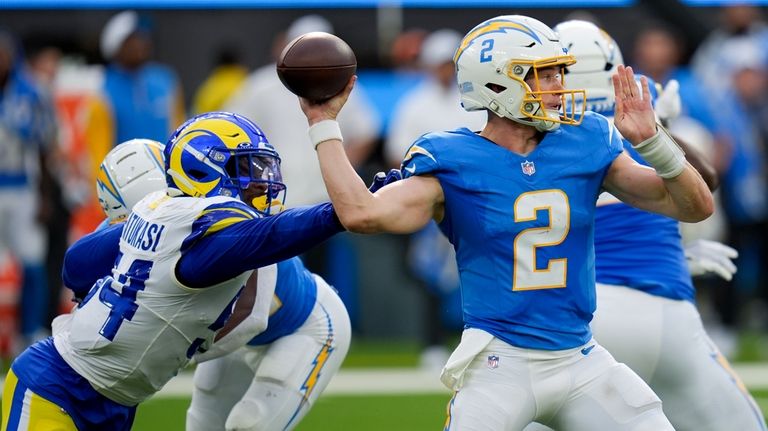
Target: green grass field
341 413
369 412
402 412
338 413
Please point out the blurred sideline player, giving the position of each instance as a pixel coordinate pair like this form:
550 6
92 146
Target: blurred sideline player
646 315
27 137
178 264
517 202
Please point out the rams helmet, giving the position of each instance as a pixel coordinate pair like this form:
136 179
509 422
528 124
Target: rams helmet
223 154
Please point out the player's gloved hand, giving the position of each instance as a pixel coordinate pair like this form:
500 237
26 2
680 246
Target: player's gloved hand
668 105
705 256
381 179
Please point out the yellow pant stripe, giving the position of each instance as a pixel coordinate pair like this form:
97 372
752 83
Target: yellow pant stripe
8 389
31 411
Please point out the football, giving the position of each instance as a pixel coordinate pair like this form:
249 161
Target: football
316 66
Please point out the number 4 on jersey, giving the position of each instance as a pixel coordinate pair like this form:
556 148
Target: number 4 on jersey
122 304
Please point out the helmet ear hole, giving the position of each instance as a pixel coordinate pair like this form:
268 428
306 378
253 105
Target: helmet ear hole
196 174
608 66
496 88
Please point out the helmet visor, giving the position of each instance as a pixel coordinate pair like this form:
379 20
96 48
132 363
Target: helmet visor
258 178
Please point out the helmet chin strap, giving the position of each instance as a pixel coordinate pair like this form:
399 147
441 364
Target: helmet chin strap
271 206
182 181
548 126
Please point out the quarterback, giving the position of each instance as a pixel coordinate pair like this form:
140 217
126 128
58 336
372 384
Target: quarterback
517 202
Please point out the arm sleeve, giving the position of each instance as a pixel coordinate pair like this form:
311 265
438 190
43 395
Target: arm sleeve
257 242
91 258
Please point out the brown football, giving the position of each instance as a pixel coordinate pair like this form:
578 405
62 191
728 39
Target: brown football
316 66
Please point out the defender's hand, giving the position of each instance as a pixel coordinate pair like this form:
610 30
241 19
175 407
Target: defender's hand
705 257
381 179
668 104
328 109
634 116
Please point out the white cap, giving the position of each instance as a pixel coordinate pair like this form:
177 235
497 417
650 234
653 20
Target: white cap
439 47
742 53
117 30
308 24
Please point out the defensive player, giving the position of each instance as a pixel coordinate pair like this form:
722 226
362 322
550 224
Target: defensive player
180 261
291 362
517 202
647 318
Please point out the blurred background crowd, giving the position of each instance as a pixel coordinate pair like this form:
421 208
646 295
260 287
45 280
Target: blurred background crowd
75 82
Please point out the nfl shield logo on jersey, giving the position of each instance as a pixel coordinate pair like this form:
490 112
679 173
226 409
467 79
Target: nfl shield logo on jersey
528 168
493 361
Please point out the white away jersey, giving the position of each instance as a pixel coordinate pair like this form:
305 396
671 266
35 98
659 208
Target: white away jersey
138 327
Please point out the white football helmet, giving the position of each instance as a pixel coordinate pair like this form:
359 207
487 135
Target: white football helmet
129 172
598 58
499 53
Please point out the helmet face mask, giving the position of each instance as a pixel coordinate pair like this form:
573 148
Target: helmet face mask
493 61
533 106
257 179
225 154
130 171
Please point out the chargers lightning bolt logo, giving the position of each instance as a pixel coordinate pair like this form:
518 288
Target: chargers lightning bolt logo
493 26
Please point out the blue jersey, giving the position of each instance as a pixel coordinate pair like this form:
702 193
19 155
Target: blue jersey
295 296
142 101
639 249
27 127
629 241
522 228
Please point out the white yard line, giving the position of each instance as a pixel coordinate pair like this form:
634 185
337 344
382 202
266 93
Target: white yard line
388 381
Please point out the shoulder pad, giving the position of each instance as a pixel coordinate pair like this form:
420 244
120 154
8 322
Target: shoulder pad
216 217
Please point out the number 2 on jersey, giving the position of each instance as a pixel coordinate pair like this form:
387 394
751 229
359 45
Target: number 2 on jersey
526 276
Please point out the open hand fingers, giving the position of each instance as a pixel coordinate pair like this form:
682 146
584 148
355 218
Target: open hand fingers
618 91
646 90
630 87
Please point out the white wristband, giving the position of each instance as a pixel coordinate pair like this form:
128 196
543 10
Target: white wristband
662 152
325 130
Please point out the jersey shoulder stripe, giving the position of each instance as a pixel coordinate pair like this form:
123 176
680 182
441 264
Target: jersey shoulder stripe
217 217
434 152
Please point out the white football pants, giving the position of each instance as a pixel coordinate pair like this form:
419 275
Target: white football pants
272 387
664 341
505 388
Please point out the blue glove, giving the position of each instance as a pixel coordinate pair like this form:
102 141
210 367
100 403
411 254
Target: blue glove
381 179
